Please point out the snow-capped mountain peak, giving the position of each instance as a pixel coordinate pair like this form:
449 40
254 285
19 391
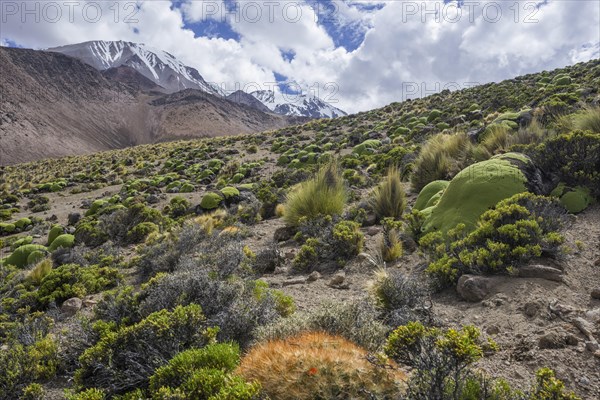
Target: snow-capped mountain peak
297 104
157 65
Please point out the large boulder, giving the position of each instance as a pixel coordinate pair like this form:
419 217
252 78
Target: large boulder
478 188
473 288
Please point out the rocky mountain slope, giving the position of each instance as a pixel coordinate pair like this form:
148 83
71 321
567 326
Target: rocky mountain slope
151 242
159 66
172 75
54 105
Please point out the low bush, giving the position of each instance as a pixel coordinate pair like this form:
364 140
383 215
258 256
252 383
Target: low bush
324 194
400 298
515 231
356 321
71 280
205 373
125 359
238 307
318 366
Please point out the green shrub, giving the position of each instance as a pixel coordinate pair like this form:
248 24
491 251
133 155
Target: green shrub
211 200
22 364
440 358
18 258
515 231
388 199
307 258
442 157
65 241
178 207
88 394
141 231
22 223
72 280
230 192
89 233
34 391
548 387
574 158
322 195
348 240
205 373
125 359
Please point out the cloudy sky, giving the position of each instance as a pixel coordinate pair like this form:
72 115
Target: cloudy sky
357 55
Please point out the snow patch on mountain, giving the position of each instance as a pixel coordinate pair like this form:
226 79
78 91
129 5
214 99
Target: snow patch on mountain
297 104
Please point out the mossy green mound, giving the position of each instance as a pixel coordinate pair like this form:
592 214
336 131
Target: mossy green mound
575 199
211 201
55 232
19 257
21 242
366 147
428 192
473 191
7 228
35 257
229 192
65 240
22 223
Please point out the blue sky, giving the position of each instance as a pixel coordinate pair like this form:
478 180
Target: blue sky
356 54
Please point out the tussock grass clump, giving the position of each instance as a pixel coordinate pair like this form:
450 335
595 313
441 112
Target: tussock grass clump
388 199
442 157
324 194
38 273
588 119
318 366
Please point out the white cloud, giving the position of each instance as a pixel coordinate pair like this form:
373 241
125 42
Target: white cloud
403 46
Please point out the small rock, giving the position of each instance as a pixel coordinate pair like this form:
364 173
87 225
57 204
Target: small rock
373 230
89 303
71 306
282 234
70 229
314 276
152 199
73 218
473 288
593 315
541 271
36 236
595 293
52 218
531 308
337 279
290 255
296 281
584 381
591 346
493 330
370 220
551 340
408 243
571 340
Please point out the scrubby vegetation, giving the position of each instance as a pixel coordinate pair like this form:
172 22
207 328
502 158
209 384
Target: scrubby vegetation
165 271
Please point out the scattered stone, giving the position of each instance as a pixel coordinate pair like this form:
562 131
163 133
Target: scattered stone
36 236
595 293
71 306
370 220
493 330
531 308
408 243
584 381
571 340
296 281
314 276
373 230
52 218
591 346
282 234
541 271
89 303
473 288
338 279
70 230
152 199
495 301
552 340
593 315
73 218
290 255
